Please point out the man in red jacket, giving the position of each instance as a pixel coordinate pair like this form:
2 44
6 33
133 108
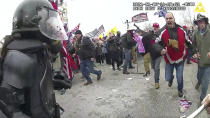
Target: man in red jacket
173 38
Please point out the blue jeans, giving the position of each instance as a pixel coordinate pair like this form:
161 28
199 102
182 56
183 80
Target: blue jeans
199 74
155 64
86 67
127 62
203 73
169 69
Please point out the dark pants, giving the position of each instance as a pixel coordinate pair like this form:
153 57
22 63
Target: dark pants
86 66
189 54
115 59
99 59
155 63
127 61
108 60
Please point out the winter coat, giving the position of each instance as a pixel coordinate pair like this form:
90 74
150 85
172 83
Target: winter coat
127 40
114 47
98 49
201 44
150 45
174 56
86 48
113 44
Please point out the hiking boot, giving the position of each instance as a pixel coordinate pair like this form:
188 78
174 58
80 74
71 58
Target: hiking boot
157 85
88 82
126 72
180 94
99 76
197 86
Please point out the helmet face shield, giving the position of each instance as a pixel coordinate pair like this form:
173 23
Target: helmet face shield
50 24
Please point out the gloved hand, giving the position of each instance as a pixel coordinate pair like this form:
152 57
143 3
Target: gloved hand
174 44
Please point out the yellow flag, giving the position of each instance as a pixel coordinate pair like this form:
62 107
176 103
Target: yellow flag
199 8
108 33
114 30
101 36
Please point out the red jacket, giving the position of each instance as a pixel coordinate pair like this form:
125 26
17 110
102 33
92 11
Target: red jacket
173 56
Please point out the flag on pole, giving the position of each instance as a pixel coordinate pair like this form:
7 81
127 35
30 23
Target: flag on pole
92 33
96 32
161 13
68 62
100 36
114 30
140 18
100 31
76 28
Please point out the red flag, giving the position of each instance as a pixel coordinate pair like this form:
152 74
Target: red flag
54 5
68 62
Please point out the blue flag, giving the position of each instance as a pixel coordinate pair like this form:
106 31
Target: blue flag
161 13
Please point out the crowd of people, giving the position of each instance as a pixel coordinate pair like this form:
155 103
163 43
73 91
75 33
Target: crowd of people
176 44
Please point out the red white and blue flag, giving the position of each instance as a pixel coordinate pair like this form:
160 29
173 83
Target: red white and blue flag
68 62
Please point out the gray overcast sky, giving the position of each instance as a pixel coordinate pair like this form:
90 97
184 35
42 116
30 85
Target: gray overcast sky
93 13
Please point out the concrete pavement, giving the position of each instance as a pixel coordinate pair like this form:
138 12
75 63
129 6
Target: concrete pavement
128 96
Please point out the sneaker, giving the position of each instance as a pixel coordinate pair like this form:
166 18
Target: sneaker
119 69
99 76
88 82
197 86
180 94
126 72
157 85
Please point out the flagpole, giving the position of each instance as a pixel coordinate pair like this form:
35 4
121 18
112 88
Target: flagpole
127 22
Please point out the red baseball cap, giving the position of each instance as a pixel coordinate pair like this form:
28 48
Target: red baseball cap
185 27
156 25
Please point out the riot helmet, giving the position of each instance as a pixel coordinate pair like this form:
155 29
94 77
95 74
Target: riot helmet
38 15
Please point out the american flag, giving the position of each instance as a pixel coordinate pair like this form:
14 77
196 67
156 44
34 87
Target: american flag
68 62
100 31
76 28
96 32
92 33
140 18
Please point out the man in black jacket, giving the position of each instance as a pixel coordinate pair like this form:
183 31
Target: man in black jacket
86 52
154 50
127 44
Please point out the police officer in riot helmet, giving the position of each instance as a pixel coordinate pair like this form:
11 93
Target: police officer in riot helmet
27 54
